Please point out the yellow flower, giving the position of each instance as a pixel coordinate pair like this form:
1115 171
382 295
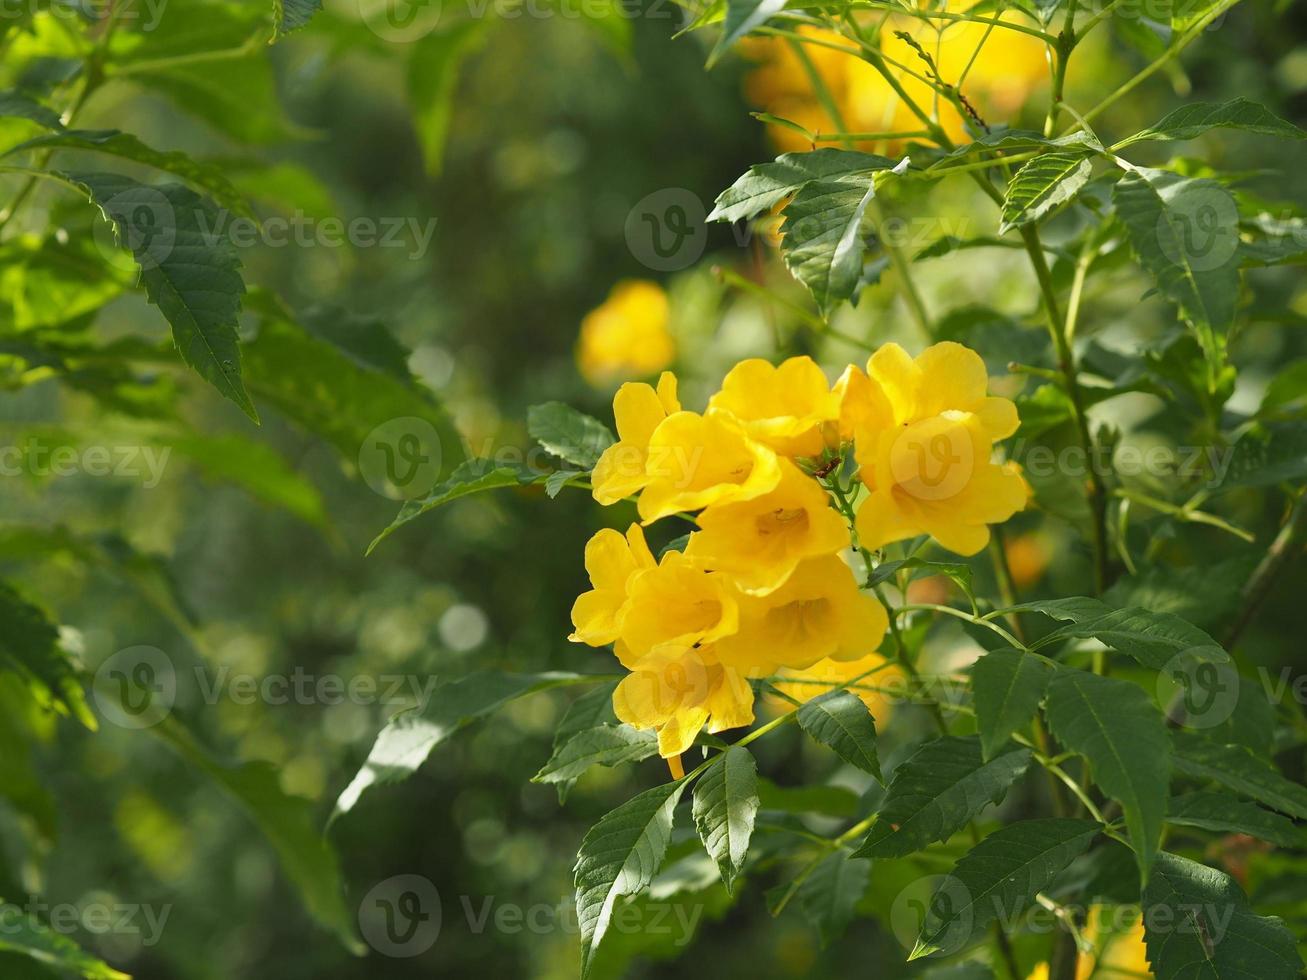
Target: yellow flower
1122 956
680 692
862 402
638 410
782 407
611 560
760 542
627 335
943 377
935 477
696 461
678 603
818 613
804 685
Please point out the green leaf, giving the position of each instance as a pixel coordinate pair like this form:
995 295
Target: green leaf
1230 815
1198 925
949 244
1188 13
742 16
1268 454
1238 769
767 184
259 469
112 142
1153 639
822 240
1184 232
471 476
16 105
1191 121
1016 139
433 68
28 937
287 822
1286 395
189 270
568 434
291 15
830 801
1074 609
840 721
1000 877
1043 184
1122 734
1272 240
604 745
29 645
938 791
831 892
620 856
410 736
725 805
1008 686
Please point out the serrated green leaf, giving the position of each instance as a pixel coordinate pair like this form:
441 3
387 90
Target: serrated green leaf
938 791
1198 925
1267 454
1184 232
1191 121
999 878
831 892
1230 815
840 721
112 142
1043 184
1008 686
1122 734
603 745
410 736
288 822
570 435
1074 609
291 15
620 856
725 805
1153 639
16 105
27 936
742 16
189 270
29 645
1238 769
822 241
767 184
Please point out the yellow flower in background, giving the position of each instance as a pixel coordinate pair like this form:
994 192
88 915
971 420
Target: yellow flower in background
804 685
696 461
680 692
628 335
678 603
760 542
611 560
784 407
930 472
638 410
1123 956
818 613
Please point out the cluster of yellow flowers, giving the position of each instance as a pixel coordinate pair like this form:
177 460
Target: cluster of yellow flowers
761 588
1007 67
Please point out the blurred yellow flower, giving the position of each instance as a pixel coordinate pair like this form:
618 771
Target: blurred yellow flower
611 560
804 685
784 407
930 473
628 335
696 461
819 612
638 410
1123 955
760 542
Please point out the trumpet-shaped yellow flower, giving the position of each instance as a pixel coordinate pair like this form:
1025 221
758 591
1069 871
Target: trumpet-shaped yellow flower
638 410
678 603
784 407
863 404
678 693
943 377
628 335
760 542
935 477
818 613
611 560
696 461
804 685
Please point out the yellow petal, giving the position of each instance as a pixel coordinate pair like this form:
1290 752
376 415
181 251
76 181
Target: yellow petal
667 393
731 703
678 733
782 406
898 376
882 519
637 410
952 377
999 417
